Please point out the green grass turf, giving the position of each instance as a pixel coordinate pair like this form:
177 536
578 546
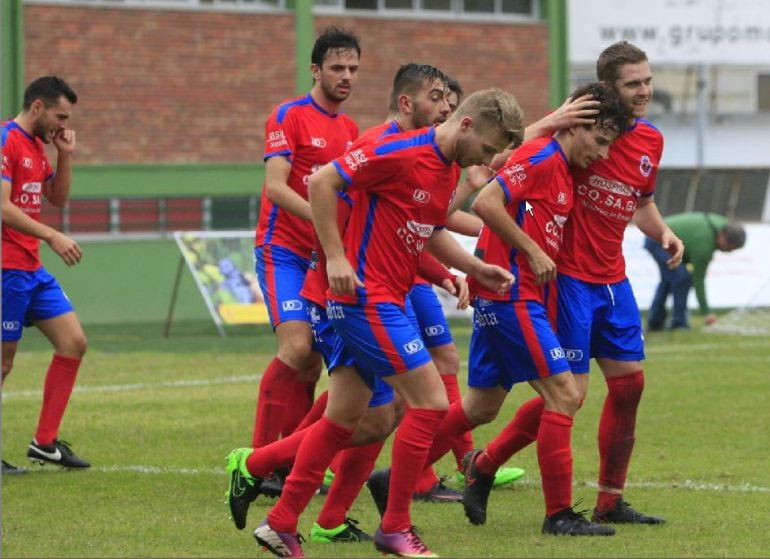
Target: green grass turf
158 442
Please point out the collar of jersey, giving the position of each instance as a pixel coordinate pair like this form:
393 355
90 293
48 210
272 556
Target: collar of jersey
320 108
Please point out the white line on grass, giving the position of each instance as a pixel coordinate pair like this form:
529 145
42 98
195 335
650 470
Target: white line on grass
21 394
686 484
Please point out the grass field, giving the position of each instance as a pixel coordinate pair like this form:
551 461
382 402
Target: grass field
157 417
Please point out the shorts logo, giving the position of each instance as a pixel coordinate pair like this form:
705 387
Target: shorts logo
436 330
292 305
481 302
11 325
645 165
557 353
421 196
318 142
315 316
26 162
413 347
573 354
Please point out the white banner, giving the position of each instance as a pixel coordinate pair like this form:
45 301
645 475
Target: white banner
734 279
673 31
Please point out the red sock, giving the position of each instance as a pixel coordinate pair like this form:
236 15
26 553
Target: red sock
355 465
616 434
279 454
454 425
464 443
554 455
325 438
315 413
59 381
271 402
426 480
520 432
298 404
410 448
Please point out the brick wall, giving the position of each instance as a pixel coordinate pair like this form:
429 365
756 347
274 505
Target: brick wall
186 86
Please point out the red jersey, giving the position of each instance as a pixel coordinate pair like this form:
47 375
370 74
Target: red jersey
404 185
309 138
538 188
26 167
392 127
606 196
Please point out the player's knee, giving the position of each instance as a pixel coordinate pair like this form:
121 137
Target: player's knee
73 346
481 415
447 360
7 366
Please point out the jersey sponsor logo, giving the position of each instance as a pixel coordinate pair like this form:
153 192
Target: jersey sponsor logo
611 186
26 162
355 159
32 187
292 305
435 330
645 165
422 229
573 354
414 346
485 318
557 353
421 196
276 139
11 325
555 231
515 174
318 142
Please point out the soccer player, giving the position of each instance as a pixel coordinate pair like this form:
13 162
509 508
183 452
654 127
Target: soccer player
301 135
422 88
593 305
32 296
524 211
404 187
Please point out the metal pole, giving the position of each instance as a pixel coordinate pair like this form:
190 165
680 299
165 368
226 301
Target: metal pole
701 122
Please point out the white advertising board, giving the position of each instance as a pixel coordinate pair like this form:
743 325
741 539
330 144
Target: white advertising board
673 31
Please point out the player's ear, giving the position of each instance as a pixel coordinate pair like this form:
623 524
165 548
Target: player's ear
315 69
466 122
404 104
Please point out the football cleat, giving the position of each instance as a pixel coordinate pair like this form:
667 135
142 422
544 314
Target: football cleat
568 522
58 452
11 470
347 532
623 513
277 543
477 488
401 544
243 487
439 493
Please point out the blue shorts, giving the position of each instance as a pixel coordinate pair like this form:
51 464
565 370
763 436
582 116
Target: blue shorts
377 339
325 336
281 274
512 342
424 310
597 320
29 297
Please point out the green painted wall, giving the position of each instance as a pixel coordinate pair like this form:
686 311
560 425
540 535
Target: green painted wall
126 282
141 181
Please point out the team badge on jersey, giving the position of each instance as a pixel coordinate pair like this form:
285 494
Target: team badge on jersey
645 165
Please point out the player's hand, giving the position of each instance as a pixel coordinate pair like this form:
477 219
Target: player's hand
574 112
459 290
67 249
342 277
709 319
542 266
477 177
496 278
64 140
675 248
